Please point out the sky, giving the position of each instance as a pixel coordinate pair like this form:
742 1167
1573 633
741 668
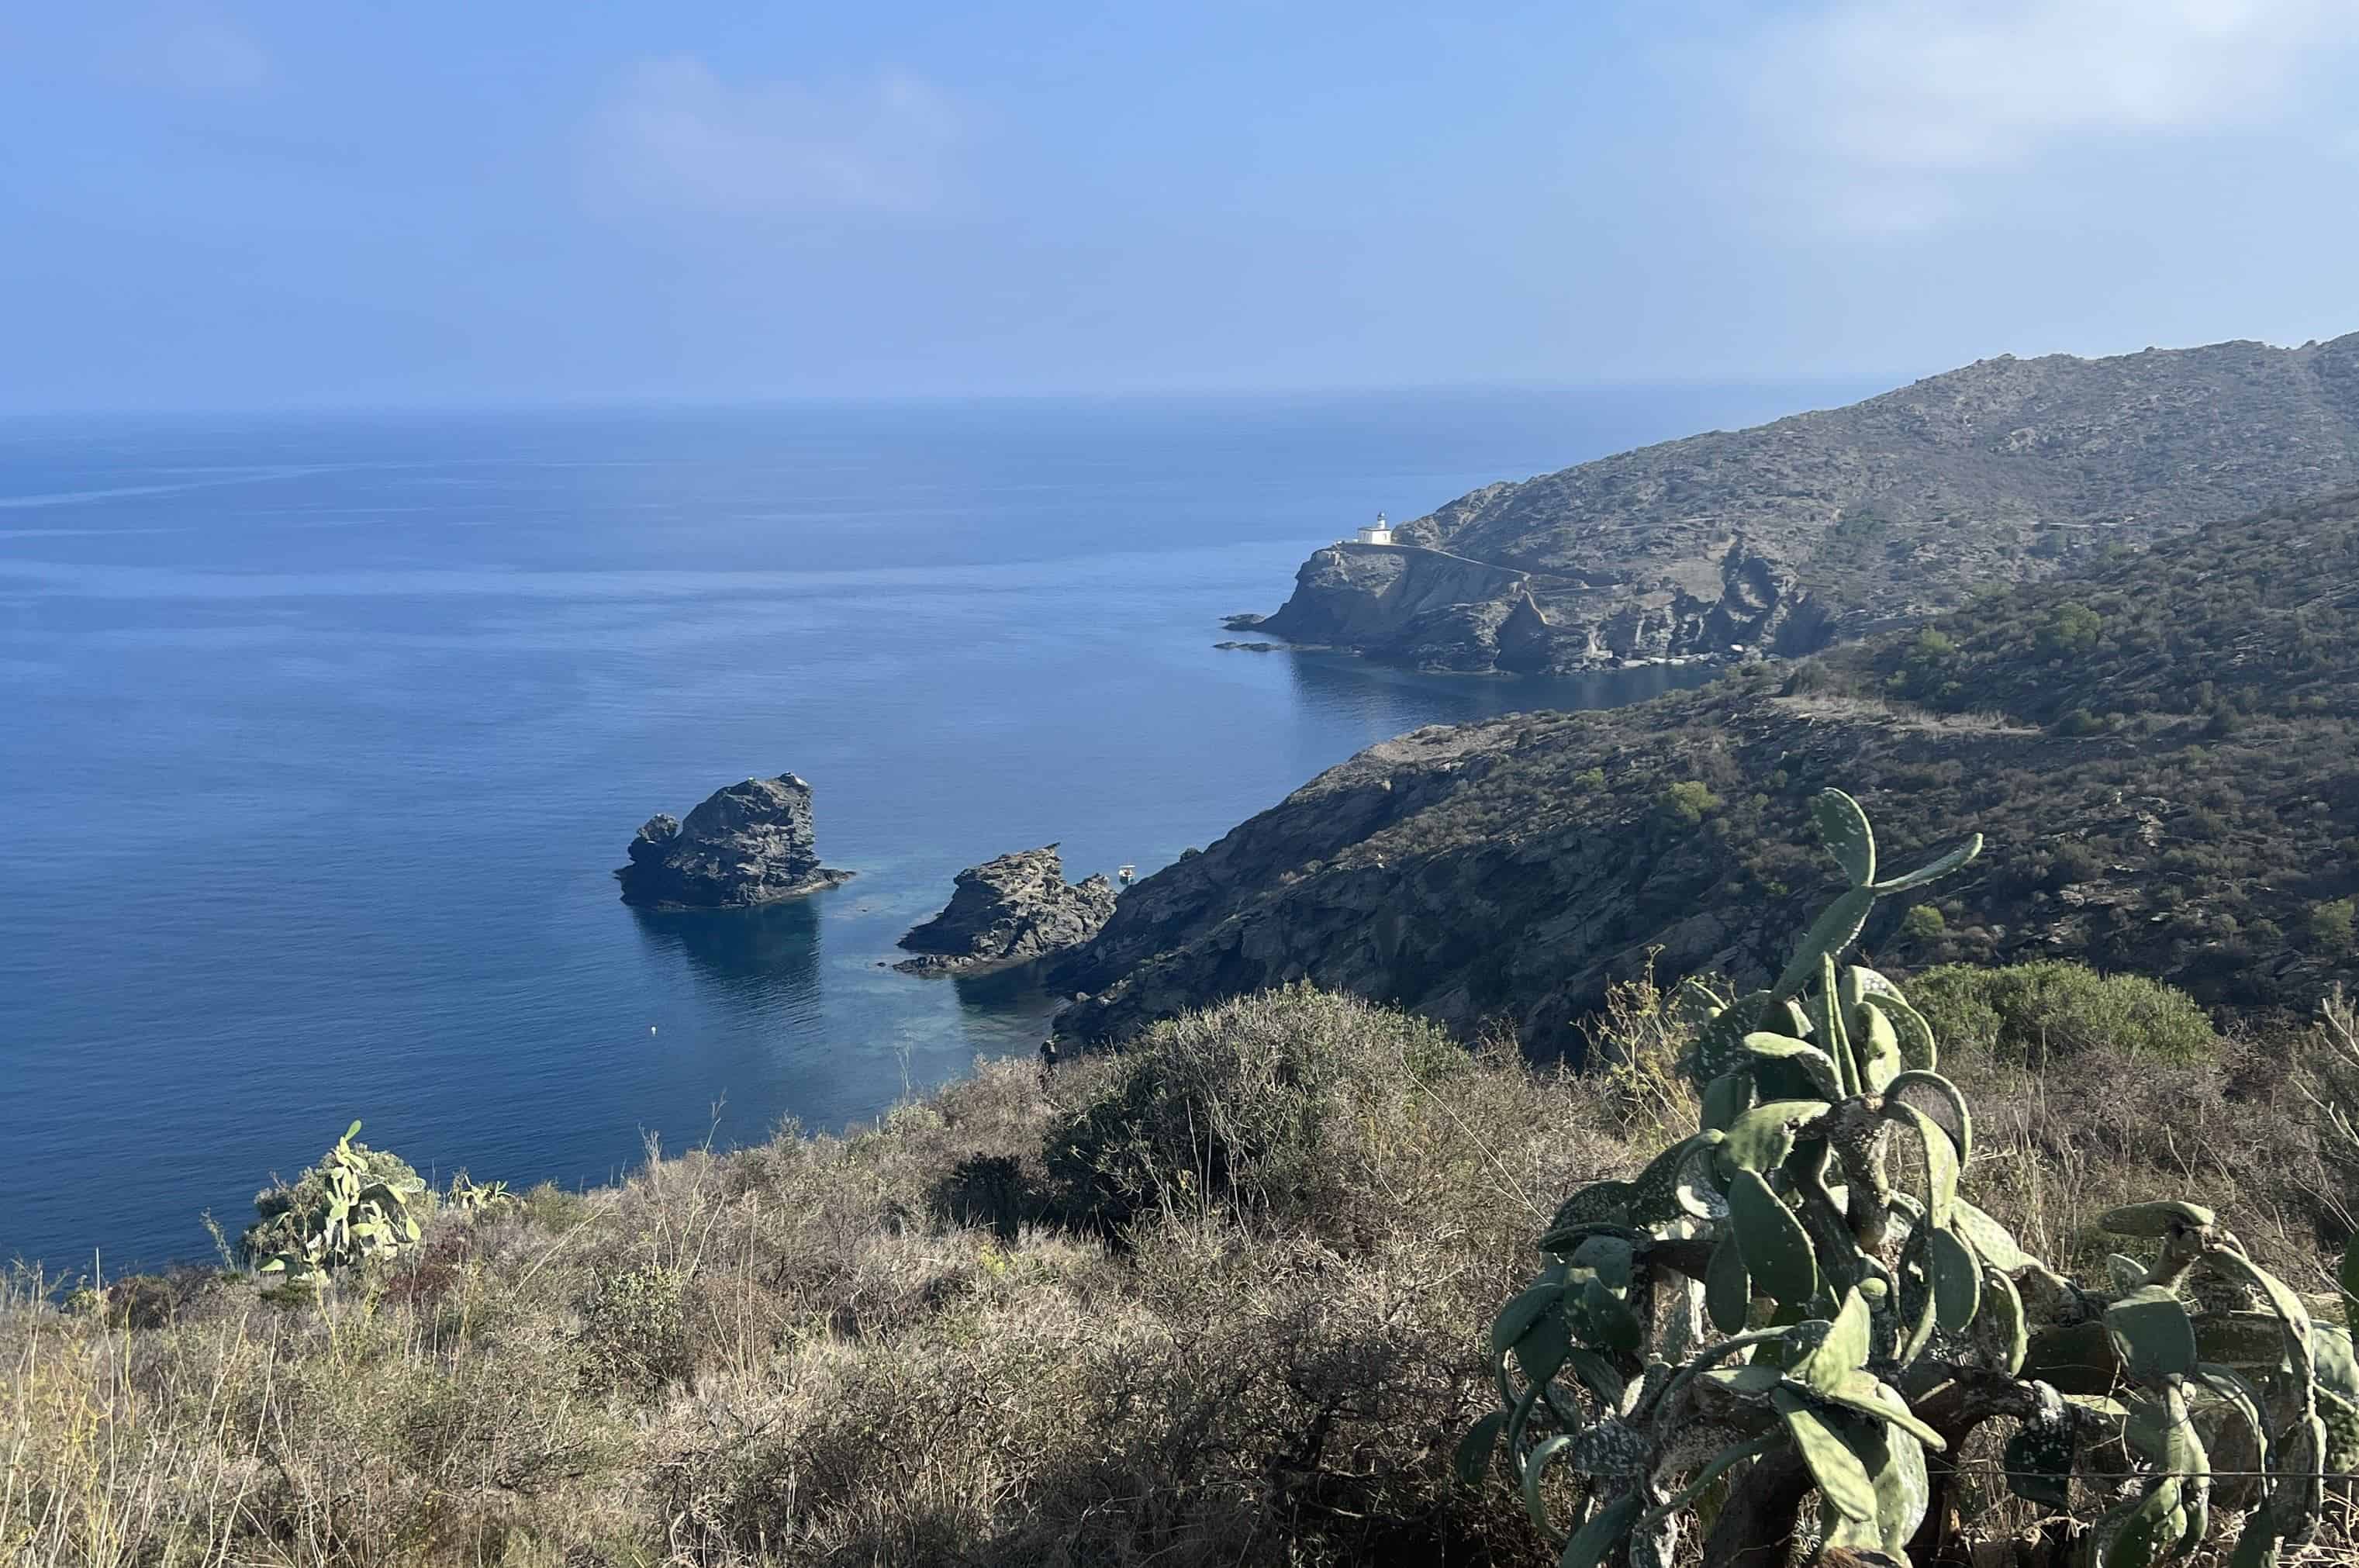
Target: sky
325 203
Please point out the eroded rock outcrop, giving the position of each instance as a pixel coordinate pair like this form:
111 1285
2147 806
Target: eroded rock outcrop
1420 605
1010 910
749 843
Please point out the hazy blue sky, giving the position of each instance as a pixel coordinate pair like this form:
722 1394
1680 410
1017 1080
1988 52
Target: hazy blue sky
315 200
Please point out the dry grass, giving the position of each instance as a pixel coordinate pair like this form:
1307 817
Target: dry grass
1851 706
1221 1301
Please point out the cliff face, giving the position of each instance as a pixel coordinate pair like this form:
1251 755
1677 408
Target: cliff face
1009 910
1832 524
2158 751
1418 605
747 843
1440 611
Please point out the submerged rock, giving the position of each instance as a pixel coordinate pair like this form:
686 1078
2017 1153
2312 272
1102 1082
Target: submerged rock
749 843
1009 910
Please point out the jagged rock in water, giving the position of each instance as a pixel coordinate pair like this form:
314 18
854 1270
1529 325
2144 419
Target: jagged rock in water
749 843
1009 910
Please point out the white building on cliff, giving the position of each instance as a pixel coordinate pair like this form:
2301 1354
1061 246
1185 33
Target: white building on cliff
1378 532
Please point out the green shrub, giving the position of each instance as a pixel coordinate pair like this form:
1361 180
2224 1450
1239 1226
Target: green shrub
634 1335
1923 923
2072 627
1925 668
2331 924
553 1207
1589 780
1686 804
1237 1108
2075 861
2029 1013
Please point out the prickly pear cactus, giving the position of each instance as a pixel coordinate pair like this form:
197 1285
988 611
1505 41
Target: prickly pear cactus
358 1205
1789 1319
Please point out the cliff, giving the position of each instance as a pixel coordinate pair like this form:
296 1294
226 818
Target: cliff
1833 524
1451 612
2158 751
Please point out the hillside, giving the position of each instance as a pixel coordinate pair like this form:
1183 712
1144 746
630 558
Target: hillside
2260 617
2160 754
915 1344
1831 524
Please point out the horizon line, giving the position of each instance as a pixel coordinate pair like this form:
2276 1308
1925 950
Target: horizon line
700 403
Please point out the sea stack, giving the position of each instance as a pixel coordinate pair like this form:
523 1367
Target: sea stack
749 843
1009 911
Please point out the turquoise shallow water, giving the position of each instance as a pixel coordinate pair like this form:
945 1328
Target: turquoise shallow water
322 738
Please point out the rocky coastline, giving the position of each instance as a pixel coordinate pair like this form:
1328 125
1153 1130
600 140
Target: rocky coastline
1834 525
2156 746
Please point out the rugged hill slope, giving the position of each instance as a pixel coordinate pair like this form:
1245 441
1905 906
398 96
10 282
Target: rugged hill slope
2161 756
1832 524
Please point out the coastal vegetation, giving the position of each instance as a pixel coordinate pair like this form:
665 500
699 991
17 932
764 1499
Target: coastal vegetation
1223 1298
1783 1334
356 1206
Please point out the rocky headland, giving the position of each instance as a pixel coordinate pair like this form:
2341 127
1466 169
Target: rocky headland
1832 525
1011 910
2156 746
749 843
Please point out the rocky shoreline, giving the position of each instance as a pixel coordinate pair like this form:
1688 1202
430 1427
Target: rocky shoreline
1734 654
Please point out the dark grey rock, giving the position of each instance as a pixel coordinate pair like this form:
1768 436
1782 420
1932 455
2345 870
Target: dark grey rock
1010 910
749 843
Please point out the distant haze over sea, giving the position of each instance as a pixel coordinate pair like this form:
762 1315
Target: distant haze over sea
323 736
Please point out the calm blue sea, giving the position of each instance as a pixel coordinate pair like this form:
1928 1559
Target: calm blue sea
322 736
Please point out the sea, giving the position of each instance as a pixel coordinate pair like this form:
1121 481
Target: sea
321 735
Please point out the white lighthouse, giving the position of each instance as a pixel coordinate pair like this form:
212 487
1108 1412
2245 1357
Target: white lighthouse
1377 532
